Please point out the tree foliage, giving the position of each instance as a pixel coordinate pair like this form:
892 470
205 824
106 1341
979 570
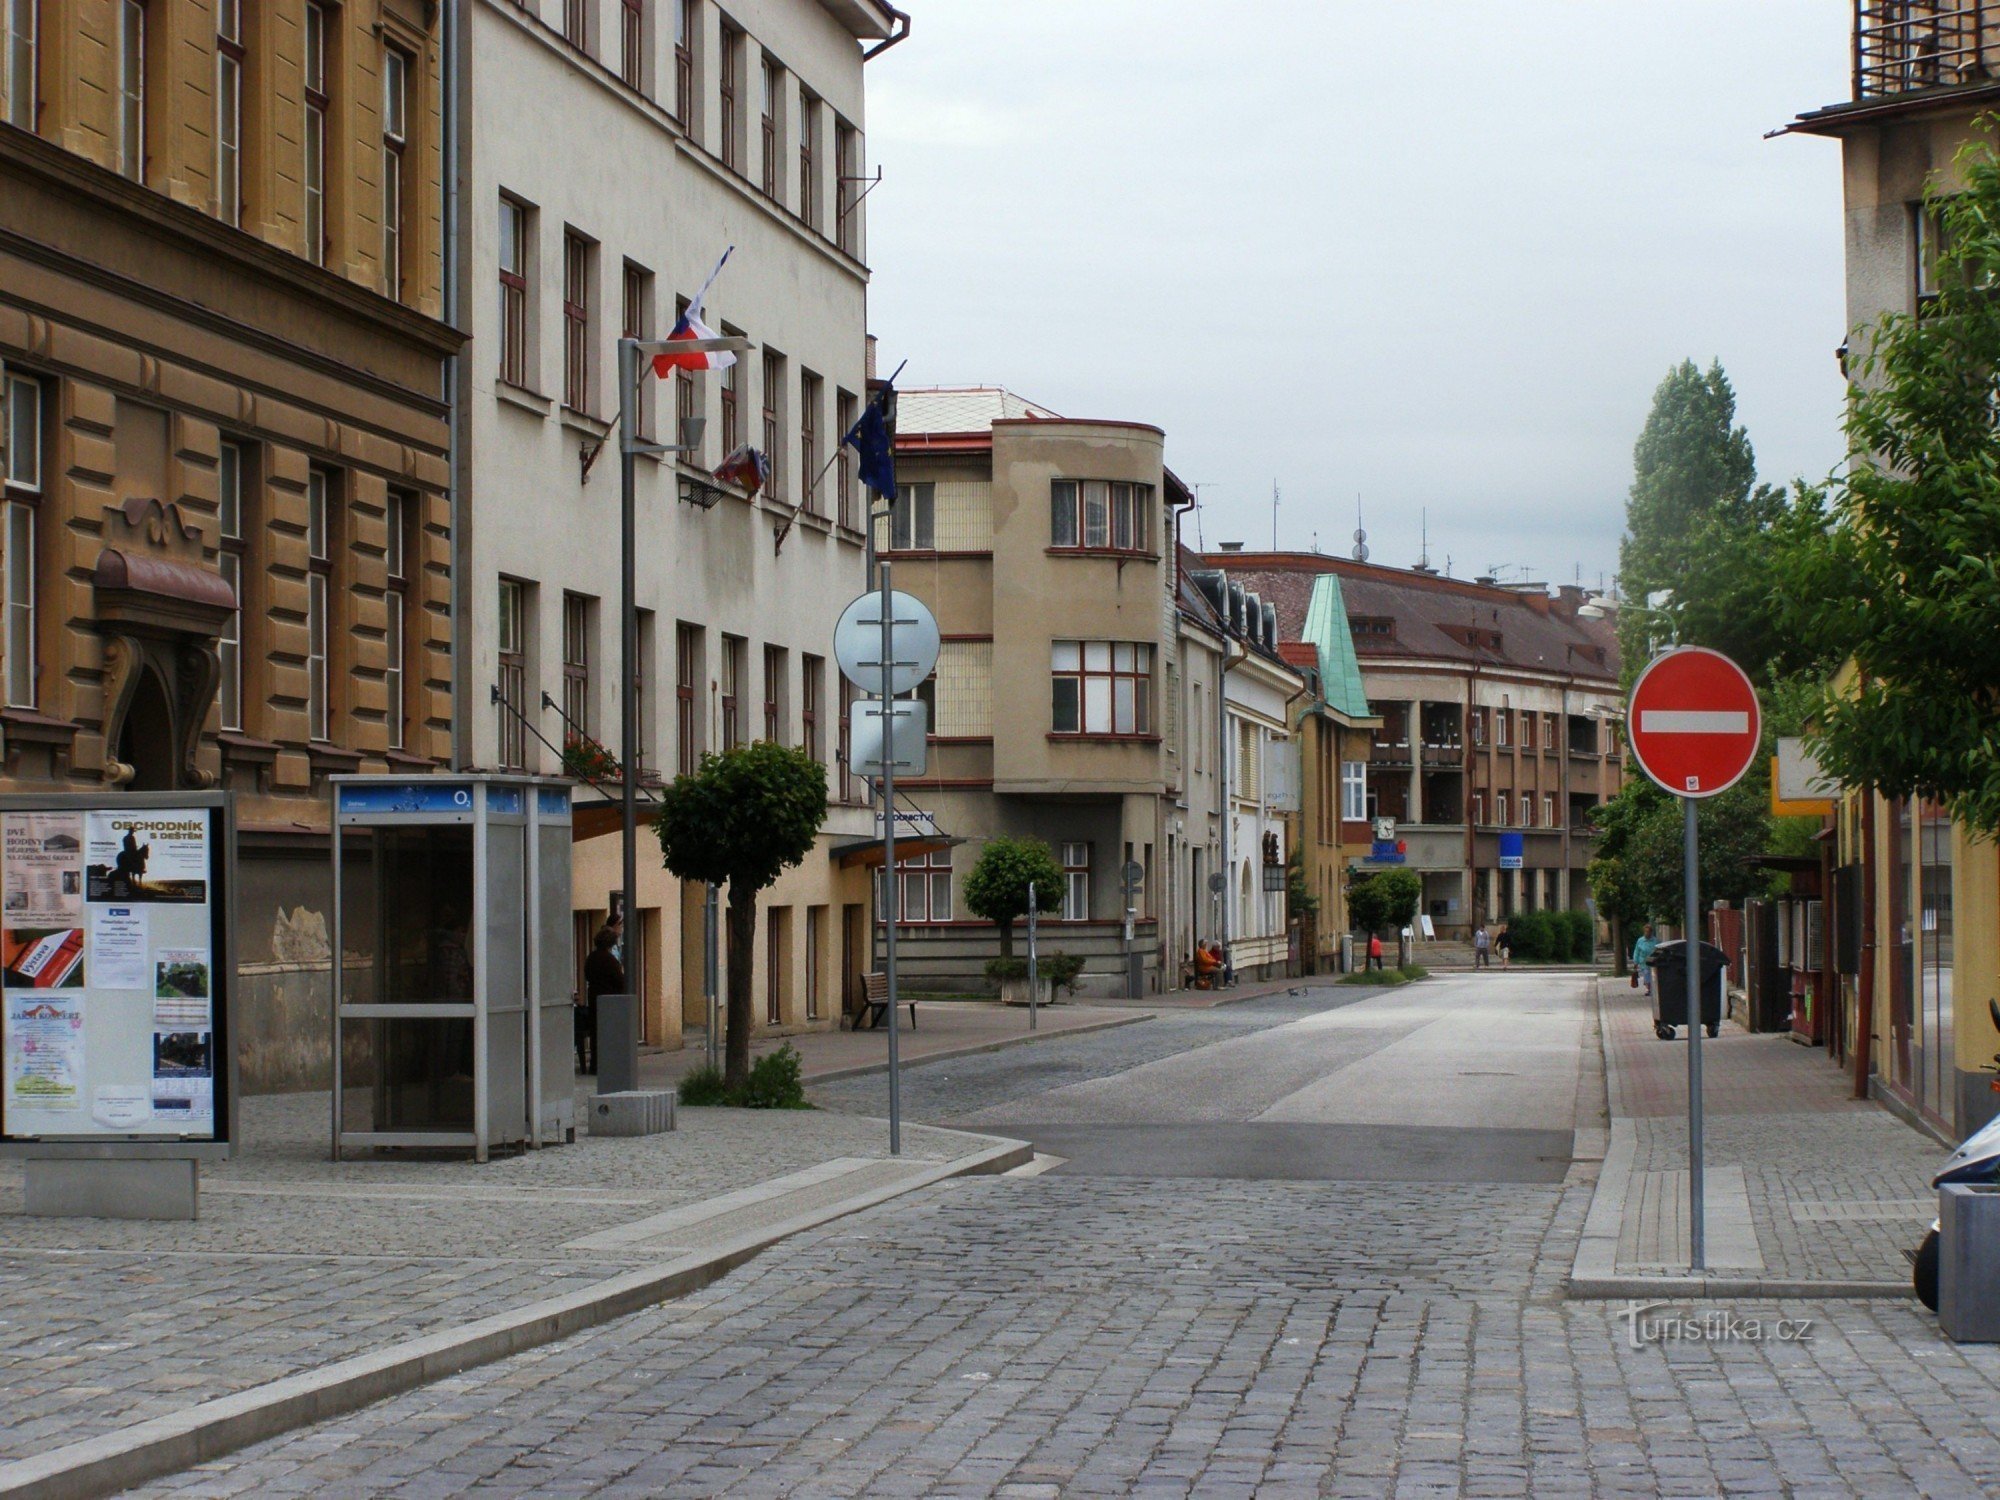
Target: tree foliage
1639 850
997 888
1383 900
1903 579
740 821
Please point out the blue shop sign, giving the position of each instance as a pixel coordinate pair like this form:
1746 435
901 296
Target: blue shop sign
1511 849
1386 852
411 799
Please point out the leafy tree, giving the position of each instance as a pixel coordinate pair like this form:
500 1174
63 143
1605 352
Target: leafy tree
741 821
1640 830
997 888
1902 580
1299 898
1383 900
1619 899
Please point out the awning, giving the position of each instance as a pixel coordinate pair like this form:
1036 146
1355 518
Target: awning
855 854
590 820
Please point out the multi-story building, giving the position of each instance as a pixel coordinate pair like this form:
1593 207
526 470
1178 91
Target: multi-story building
1078 698
662 135
227 546
1916 895
1498 708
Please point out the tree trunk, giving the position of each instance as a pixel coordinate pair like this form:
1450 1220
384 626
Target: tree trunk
1618 948
1006 937
742 919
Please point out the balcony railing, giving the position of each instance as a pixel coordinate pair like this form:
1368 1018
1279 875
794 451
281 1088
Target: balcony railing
1904 45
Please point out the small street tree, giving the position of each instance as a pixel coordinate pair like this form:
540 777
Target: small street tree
1383 900
997 888
740 821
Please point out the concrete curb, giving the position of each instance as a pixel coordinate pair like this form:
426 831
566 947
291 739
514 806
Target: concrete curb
863 1070
148 1450
1693 1288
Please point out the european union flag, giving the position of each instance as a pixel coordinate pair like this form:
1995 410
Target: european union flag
873 437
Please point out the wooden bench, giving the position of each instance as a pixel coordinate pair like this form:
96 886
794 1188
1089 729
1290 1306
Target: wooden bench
875 1002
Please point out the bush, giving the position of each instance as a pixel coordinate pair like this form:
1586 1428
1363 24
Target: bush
703 1085
1414 971
774 1083
1581 936
1000 970
1061 969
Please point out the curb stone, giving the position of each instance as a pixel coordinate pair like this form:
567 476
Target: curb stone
181 1440
863 1070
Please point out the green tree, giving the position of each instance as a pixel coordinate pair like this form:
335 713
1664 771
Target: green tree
741 821
1619 901
1902 579
1383 900
997 888
1640 832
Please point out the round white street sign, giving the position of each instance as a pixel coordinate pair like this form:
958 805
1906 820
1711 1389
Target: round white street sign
857 643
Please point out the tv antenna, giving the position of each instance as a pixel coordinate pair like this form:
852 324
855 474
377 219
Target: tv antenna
1360 532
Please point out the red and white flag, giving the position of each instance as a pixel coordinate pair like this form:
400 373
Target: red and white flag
690 327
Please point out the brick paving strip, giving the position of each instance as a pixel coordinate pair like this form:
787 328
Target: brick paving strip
1810 1193
308 1288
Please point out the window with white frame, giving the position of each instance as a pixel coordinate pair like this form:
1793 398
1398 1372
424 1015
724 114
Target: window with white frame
132 89
685 22
847 411
1076 882
23 43
399 511
913 521
923 888
1101 514
1101 687
773 82
229 476
632 43
23 489
1549 819
512 639
1479 807
319 591
1353 790
317 106
395 136
229 110
576 663
1503 726
1527 809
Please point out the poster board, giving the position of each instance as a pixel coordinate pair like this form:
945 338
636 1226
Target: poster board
115 970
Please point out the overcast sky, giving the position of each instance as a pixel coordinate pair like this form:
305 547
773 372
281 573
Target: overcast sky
1436 252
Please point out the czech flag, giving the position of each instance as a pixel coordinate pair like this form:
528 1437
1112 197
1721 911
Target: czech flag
690 326
746 468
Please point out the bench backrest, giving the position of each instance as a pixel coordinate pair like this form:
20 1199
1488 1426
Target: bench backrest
875 986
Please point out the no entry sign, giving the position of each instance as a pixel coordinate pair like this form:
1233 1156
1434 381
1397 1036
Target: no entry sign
1694 722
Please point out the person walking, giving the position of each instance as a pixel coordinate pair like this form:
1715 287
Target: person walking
1505 943
1642 958
603 974
1482 947
1374 950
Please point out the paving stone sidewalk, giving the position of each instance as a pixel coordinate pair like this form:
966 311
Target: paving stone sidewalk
1837 1188
298 1261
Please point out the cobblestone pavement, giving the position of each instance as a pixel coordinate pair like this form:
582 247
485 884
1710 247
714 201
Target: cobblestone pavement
1838 1187
298 1261
1050 1336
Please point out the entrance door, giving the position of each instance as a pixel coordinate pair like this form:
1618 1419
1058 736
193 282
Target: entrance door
853 956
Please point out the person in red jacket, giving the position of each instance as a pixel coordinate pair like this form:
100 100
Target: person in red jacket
1374 950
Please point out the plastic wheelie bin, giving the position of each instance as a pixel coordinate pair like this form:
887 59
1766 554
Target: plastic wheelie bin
1670 988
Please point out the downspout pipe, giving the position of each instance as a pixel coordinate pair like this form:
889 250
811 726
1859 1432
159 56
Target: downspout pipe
1864 1030
457 154
1225 753
901 33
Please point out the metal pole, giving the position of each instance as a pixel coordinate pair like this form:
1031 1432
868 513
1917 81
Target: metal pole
628 668
891 886
1691 946
1034 972
711 964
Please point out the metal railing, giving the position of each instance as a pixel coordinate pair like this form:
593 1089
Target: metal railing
1904 45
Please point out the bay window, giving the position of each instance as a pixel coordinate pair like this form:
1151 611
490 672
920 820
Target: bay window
1101 687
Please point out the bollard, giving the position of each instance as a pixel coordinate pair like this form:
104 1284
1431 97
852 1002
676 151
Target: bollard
617 1043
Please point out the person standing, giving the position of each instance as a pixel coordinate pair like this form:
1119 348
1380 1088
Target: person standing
1374 950
603 974
1482 947
1505 943
1642 957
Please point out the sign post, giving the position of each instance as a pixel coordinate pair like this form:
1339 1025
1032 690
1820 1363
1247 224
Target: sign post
1034 972
1695 726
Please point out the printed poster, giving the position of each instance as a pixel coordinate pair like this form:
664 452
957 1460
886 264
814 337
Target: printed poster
121 1106
118 958
44 1052
41 855
135 856
42 958
183 1074
180 989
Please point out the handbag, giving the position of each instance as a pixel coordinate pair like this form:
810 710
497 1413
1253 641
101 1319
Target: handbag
1634 977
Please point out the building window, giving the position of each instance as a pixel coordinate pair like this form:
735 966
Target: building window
395 126
576 321
1503 726
1479 807
1549 819
847 413
812 692
815 936
1101 514
687 700
773 81
774 694
774 966
1353 790
23 45
576 23
23 490
514 227
1102 687
734 649
229 530
809 399
684 390
576 663
924 888
229 111
315 134
1479 726
132 89
632 43
319 590
808 174
684 25
732 424
732 63
402 508
852 788
636 322
774 391
1076 882
1528 727
1527 809
512 636
846 206
913 522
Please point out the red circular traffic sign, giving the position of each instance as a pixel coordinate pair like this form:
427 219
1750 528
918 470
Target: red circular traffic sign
1694 721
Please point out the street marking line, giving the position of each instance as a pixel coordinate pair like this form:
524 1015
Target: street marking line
1693 721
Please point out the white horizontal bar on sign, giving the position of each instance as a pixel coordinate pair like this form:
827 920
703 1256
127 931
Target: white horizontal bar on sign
1693 721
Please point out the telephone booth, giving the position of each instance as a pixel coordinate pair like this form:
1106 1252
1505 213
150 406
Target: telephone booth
453 963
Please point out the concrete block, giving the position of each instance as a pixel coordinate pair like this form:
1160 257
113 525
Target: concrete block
633 1112
1969 1262
145 1189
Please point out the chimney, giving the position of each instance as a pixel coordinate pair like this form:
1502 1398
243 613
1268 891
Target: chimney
1230 546
869 372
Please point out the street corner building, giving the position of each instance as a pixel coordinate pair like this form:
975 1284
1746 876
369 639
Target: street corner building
223 353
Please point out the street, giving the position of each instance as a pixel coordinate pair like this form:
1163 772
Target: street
1309 1244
